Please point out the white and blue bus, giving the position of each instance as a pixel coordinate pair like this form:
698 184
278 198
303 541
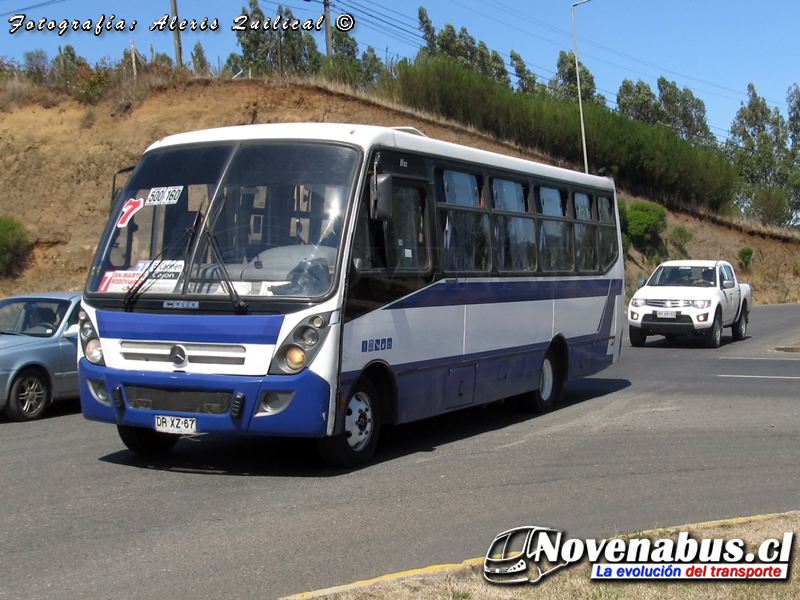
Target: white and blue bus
323 280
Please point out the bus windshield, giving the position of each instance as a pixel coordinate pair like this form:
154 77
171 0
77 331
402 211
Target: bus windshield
263 218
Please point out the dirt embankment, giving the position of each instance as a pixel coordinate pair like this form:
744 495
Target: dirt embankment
56 167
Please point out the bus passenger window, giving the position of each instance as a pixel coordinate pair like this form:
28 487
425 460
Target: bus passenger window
464 240
605 210
461 189
508 195
550 202
555 246
583 207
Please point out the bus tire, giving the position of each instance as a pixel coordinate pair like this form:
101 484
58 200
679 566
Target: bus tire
355 446
550 390
638 337
146 441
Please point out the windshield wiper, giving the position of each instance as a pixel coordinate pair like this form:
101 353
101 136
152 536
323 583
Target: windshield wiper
132 295
239 304
11 333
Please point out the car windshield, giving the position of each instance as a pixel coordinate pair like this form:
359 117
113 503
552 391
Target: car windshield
694 276
263 218
31 316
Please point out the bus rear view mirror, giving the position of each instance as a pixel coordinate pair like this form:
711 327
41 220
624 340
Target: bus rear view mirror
380 205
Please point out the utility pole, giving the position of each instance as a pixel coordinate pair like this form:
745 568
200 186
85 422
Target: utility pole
176 34
578 77
328 39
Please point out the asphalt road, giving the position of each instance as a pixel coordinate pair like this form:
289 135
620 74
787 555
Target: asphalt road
672 434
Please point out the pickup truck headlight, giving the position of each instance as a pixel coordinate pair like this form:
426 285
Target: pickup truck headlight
701 303
638 302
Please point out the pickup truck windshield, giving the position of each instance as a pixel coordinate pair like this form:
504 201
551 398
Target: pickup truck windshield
684 276
264 217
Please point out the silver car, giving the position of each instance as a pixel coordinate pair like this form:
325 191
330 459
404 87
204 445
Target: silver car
38 352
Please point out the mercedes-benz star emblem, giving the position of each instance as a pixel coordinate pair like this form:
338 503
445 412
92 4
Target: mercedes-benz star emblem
178 356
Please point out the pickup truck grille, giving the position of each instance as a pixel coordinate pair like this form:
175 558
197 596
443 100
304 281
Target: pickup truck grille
668 303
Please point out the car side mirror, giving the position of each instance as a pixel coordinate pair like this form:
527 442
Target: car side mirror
641 281
72 331
728 284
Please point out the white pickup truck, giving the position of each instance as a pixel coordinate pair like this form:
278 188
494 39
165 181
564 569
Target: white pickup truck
690 297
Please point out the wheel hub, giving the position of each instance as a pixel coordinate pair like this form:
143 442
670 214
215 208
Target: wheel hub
358 421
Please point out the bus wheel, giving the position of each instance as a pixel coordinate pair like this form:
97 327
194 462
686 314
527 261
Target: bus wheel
362 422
146 441
550 389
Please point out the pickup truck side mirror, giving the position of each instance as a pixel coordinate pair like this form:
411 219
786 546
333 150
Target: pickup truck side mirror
728 284
641 281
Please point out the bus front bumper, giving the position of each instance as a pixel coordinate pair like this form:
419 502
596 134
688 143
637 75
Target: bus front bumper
279 405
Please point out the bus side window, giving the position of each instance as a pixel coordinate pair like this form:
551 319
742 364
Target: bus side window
556 248
586 256
406 246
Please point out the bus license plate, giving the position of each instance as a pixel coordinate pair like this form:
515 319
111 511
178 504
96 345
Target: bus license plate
666 314
182 425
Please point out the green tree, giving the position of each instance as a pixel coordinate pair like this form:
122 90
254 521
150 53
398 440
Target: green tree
499 69
256 44
685 113
526 80
35 65
759 149
371 67
65 67
637 101
297 52
564 84
428 32
199 62
163 59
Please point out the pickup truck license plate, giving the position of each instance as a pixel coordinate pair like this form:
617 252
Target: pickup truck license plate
182 425
666 314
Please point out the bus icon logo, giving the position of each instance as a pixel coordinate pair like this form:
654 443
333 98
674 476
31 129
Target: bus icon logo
515 556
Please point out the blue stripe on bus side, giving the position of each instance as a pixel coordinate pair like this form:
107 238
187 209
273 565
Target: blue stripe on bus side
232 329
492 292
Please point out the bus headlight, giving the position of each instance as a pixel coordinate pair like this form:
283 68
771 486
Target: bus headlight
90 340
87 331
307 336
93 351
295 358
302 345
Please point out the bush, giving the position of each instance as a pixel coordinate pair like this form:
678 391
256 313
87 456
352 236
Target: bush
679 237
646 222
91 84
746 256
14 246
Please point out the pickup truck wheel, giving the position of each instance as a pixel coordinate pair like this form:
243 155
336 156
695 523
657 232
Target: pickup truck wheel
740 327
637 336
714 335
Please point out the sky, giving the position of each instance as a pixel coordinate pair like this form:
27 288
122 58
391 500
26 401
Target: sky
712 47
